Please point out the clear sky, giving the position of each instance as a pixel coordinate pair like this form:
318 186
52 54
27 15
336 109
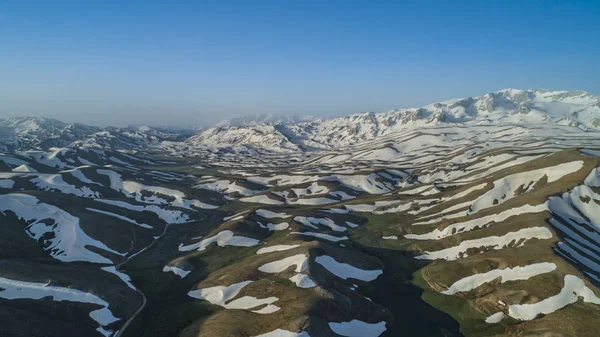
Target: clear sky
197 62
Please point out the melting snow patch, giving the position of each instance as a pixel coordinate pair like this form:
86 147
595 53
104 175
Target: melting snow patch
312 201
346 271
169 216
86 162
284 333
283 180
313 189
303 281
268 309
356 328
235 216
276 248
342 195
322 236
79 175
13 289
176 270
221 296
68 241
143 225
335 211
495 318
310 222
124 277
300 261
593 179
362 183
265 213
274 227
24 169
50 158
461 227
223 239
132 189
509 274
261 199
505 188
573 289
417 190
351 224
226 186
493 242
466 192
48 182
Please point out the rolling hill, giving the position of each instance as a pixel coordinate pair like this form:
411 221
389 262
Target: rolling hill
470 217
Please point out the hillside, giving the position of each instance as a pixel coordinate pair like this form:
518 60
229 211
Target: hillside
472 217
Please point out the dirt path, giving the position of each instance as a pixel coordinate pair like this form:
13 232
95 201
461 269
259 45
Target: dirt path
144 300
124 327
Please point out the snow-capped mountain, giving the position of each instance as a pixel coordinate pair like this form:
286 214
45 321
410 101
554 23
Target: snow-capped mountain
508 106
34 133
280 133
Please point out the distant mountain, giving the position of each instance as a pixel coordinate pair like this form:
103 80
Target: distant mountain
264 119
281 133
38 133
508 106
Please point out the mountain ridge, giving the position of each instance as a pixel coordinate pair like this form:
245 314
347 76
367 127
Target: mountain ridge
281 133
507 106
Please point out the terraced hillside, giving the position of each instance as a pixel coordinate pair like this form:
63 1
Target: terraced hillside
438 231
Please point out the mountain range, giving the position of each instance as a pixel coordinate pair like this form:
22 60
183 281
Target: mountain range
509 106
282 133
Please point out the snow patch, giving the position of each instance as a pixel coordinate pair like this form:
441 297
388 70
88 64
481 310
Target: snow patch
356 328
346 271
221 296
509 274
223 239
276 248
176 270
68 241
13 289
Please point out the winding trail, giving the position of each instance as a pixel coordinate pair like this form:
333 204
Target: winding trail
124 327
121 331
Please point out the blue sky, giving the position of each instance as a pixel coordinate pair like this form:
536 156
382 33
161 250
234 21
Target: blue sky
197 62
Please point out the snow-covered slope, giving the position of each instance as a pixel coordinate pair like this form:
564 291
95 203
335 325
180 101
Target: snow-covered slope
267 136
509 106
